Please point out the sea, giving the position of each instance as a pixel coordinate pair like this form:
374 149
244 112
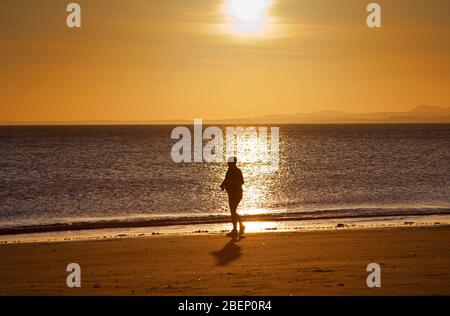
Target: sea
71 178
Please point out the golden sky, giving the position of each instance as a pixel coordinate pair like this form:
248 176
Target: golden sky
180 59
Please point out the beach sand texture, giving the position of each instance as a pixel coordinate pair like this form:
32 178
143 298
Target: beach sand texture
414 261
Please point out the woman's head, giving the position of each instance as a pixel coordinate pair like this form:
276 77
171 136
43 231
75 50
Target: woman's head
231 161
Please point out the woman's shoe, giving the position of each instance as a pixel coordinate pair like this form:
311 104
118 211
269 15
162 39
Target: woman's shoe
233 233
241 229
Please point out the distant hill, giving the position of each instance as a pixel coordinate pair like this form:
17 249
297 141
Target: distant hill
430 110
419 114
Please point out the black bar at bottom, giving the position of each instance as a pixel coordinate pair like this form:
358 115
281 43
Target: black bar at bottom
212 305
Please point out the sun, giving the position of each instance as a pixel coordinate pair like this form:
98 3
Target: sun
247 17
247 11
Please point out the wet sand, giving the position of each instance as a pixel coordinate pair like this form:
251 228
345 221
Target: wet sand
414 261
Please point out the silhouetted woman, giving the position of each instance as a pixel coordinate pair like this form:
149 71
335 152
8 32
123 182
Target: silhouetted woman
233 185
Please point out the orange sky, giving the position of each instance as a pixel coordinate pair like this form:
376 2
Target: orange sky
174 59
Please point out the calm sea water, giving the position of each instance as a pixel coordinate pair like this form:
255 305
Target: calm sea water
52 175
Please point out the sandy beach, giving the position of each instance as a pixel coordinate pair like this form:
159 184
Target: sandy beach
414 261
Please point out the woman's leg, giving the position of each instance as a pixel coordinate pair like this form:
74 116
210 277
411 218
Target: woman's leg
234 200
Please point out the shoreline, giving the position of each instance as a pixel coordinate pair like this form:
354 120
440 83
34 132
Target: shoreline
150 222
414 261
325 224
334 224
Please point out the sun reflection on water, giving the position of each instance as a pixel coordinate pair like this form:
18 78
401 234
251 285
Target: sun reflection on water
254 211
252 153
257 227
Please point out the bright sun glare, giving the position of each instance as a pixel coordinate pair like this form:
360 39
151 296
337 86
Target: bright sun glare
247 17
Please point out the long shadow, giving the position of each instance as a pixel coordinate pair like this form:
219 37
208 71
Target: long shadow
230 252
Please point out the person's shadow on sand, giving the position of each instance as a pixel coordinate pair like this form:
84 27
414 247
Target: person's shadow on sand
230 252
